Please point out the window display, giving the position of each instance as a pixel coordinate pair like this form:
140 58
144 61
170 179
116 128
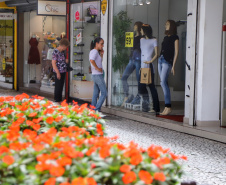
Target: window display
6 48
134 48
85 27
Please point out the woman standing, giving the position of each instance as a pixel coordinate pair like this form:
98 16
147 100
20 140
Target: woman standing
149 46
134 63
59 63
95 58
167 61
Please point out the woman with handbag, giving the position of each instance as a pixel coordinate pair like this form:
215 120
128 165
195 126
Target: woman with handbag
148 46
167 61
95 58
60 67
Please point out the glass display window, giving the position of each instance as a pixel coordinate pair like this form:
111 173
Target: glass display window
85 27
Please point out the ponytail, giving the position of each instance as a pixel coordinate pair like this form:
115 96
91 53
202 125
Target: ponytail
93 43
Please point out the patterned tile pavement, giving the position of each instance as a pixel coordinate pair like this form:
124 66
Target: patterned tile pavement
206 159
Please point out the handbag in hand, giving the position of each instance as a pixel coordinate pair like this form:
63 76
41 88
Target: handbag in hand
92 11
69 68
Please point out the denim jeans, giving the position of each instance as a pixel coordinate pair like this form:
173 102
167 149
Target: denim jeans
99 86
164 69
131 66
154 93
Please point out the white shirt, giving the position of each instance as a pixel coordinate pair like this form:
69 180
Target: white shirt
94 55
147 48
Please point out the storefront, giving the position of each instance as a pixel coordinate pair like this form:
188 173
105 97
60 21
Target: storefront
8 47
41 35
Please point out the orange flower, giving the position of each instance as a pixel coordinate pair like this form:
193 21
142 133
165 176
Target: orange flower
90 151
57 171
37 120
50 181
65 183
125 168
30 123
91 181
59 118
50 120
36 127
2 99
33 114
104 152
161 161
64 161
160 177
38 147
184 157
78 181
3 149
146 177
12 103
136 159
8 159
20 115
129 177
99 129
9 98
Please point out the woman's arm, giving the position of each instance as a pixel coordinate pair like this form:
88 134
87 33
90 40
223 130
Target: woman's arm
95 66
56 69
176 43
155 57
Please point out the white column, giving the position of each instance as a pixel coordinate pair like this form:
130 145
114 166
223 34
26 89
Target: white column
190 59
209 63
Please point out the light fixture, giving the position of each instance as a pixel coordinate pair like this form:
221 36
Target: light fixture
141 2
148 1
135 3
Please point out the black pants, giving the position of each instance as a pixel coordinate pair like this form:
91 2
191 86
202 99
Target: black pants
154 93
59 85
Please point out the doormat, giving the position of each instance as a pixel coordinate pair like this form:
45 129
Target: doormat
178 118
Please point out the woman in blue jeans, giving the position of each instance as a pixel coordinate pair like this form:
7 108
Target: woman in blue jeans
167 61
95 58
134 64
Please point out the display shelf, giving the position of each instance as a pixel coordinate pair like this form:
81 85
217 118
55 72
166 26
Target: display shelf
78 53
79 45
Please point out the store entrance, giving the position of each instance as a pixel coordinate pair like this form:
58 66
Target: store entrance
124 79
6 48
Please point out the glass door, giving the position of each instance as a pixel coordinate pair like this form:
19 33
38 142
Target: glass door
6 47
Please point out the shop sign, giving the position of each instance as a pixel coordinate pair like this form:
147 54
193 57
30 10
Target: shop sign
3 64
79 38
129 40
104 6
6 16
51 7
77 16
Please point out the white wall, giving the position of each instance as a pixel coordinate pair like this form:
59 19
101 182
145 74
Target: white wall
209 60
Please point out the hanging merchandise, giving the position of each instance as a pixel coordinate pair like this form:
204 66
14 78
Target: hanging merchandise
34 56
92 11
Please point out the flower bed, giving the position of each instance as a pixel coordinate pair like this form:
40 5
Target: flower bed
75 155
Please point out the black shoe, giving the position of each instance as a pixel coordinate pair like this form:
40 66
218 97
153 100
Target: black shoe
145 106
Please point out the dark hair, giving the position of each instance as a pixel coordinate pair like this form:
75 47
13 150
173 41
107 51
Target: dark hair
172 29
93 43
64 42
139 25
147 29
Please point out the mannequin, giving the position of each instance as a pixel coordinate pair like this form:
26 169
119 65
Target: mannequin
34 56
149 45
167 61
134 63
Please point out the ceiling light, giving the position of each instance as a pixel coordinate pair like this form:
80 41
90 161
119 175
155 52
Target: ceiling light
148 2
141 2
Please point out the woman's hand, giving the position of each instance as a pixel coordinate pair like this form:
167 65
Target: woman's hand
173 71
58 76
102 53
147 62
100 69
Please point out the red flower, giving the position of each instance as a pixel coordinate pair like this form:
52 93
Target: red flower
159 177
64 161
8 159
33 114
129 177
37 120
65 183
3 149
136 159
78 181
146 177
125 168
57 171
38 147
50 181
59 118
36 127
50 120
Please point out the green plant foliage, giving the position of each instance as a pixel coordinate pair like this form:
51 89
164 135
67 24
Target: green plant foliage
121 25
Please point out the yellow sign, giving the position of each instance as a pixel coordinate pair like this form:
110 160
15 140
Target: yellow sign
3 64
104 6
129 40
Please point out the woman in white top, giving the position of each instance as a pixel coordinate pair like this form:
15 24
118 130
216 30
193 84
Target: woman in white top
148 46
95 58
